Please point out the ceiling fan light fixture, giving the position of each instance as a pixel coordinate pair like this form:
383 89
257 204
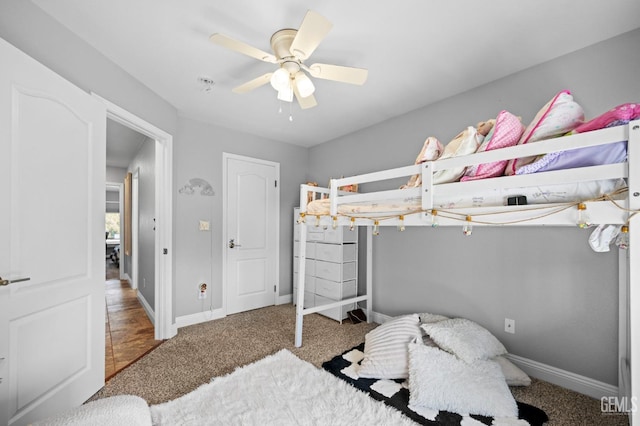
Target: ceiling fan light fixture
304 85
280 79
286 94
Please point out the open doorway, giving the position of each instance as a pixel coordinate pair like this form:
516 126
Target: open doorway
129 329
139 159
163 224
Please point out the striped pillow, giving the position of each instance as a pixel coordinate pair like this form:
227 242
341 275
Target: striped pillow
386 348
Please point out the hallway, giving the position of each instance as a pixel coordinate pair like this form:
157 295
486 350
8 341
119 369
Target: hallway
129 334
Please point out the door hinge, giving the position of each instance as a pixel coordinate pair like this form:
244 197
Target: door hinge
274 288
165 251
275 183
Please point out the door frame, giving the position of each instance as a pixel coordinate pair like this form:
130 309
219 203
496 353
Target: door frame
163 309
120 187
225 237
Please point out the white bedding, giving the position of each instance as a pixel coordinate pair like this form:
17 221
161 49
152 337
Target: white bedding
548 194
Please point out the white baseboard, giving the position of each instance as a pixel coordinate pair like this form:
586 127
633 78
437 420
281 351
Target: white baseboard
379 318
199 317
147 308
125 276
283 300
565 379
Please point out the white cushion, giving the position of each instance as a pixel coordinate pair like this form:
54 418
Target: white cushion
385 348
440 381
465 339
512 374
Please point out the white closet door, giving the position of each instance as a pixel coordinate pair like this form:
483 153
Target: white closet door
252 229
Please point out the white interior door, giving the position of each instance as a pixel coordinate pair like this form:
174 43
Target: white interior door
251 243
52 180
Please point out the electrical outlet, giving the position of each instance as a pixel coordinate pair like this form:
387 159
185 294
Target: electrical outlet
510 325
144 282
204 225
202 291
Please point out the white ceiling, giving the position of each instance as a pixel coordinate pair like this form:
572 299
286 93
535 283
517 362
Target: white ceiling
417 52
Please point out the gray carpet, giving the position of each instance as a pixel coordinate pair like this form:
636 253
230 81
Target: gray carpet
216 348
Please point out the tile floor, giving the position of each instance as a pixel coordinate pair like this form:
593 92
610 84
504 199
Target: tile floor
129 333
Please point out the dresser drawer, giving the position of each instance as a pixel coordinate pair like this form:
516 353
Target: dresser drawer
335 271
335 290
313 233
335 252
309 282
338 313
341 234
309 265
311 249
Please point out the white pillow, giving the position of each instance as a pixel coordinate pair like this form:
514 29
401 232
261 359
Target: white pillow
385 348
440 381
512 374
465 339
465 143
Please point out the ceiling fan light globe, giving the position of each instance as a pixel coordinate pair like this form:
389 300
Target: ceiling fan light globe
304 85
280 79
286 94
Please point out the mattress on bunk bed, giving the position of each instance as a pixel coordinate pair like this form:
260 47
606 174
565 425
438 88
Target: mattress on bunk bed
548 194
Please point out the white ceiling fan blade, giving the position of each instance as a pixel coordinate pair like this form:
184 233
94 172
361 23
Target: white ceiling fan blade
312 31
253 84
238 46
308 102
339 73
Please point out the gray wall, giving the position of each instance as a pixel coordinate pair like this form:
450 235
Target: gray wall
562 295
200 253
144 163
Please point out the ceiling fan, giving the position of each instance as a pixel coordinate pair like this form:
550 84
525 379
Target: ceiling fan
290 49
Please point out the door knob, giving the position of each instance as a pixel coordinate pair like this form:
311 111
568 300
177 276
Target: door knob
232 244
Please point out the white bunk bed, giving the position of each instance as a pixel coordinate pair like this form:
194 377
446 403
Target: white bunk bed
601 210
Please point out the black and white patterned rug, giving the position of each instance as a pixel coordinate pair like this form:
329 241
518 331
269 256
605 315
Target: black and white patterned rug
396 394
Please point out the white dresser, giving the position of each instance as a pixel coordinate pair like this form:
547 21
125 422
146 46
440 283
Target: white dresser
331 266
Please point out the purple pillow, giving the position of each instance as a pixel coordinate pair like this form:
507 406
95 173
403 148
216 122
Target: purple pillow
582 157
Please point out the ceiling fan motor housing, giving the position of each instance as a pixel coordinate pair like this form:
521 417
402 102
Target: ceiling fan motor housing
281 43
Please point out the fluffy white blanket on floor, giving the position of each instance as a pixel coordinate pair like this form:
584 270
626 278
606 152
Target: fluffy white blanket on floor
280 389
116 410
